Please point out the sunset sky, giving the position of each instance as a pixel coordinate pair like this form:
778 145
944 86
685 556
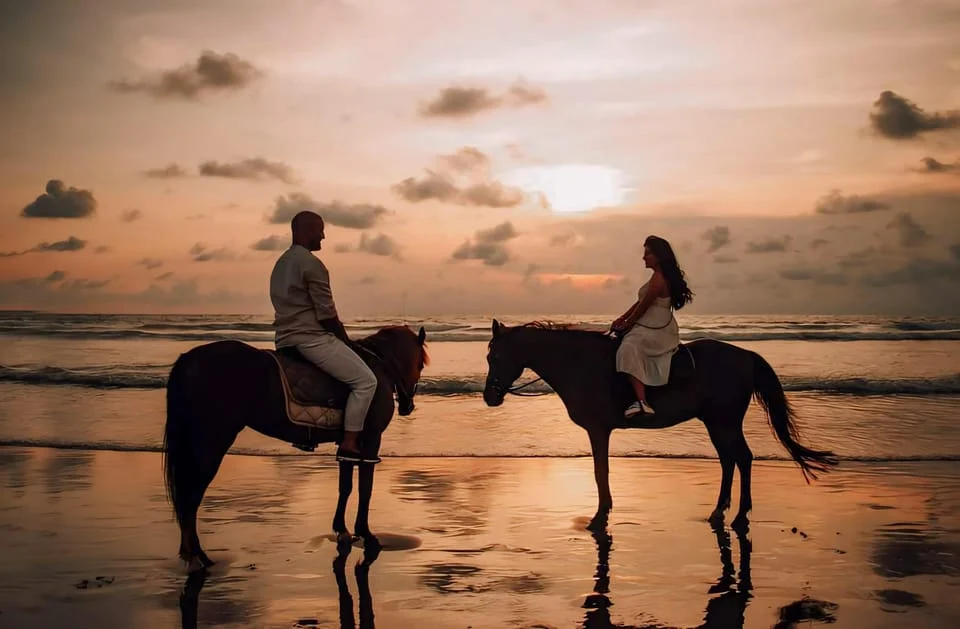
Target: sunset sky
481 157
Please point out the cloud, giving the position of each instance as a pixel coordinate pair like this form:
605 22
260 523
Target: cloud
462 102
462 178
150 263
70 244
271 243
861 257
211 72
931 165
61 202
55 276
817 276
770 245
170 171
718 237
835 203
955 251
816 243
570 238
916 271
253 168
367 279
379 245
725 259
488 245
911 233
103 249
202 253
897 118
164 276
342 248
350 216
129 216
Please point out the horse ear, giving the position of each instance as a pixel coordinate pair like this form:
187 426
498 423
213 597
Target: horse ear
496 327
421 335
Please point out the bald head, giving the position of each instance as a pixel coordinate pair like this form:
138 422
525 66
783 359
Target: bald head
307 230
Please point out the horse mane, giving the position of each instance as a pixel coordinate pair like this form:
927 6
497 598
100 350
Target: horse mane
554 326
378 339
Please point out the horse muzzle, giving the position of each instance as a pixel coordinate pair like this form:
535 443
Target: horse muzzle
493 396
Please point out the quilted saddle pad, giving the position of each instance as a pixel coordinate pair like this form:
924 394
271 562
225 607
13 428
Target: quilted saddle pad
313 397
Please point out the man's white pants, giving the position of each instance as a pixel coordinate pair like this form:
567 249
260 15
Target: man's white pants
336 358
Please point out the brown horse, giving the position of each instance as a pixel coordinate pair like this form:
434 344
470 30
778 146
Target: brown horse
709 380
216 390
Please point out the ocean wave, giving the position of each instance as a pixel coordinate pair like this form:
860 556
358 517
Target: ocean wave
155 377
283 451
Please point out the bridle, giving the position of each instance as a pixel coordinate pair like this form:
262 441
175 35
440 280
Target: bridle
502 391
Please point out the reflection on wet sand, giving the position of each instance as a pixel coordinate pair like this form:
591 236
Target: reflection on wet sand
726 611
362 573
459 503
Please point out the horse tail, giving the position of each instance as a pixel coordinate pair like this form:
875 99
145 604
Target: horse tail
768 391
177 459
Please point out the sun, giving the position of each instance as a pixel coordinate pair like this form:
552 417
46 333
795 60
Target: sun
571 187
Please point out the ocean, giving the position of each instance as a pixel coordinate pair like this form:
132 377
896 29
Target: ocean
872 389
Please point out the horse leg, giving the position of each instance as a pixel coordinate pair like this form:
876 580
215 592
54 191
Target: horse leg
191 495
600 447
744 458
362 524
725 451
346 487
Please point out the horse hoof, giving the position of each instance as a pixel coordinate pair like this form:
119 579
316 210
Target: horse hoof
195 566
598 523
716 518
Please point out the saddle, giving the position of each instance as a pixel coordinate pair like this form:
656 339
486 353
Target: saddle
313 397
669 399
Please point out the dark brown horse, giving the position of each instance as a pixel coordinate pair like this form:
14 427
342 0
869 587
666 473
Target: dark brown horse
710 380
216 390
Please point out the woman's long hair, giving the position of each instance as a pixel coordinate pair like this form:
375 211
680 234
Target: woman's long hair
680 293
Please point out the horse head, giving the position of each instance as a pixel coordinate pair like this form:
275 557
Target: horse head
404 354
503 368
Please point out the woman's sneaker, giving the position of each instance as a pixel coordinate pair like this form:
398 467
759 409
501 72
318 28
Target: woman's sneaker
638 408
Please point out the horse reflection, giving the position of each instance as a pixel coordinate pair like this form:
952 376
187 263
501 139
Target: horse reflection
723 612
362 573
190 596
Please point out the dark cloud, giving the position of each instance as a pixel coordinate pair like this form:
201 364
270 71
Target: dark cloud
55 276
836 203
725 259
462 102
379 245
459 102
861 257
770 245
164 276
61 202
129 216
955 251
462 178
351 216
103 249
212 72
202 253
910 231
271 243
150 263
342 248
817 276
897 118
488 245
718 237
253 168
170 171
931 165
916 271
816 243
70 244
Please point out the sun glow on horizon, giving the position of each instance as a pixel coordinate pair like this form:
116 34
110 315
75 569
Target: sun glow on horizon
571 187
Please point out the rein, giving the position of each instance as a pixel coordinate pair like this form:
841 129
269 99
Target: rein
515 390
389 368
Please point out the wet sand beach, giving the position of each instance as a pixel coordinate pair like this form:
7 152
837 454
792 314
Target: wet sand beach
478 542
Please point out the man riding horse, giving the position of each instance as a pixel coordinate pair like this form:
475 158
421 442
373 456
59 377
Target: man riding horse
306 318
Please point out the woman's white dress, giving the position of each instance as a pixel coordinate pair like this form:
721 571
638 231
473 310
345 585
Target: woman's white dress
647 349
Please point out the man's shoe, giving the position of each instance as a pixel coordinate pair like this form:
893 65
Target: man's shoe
370 459
634 409
348 456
